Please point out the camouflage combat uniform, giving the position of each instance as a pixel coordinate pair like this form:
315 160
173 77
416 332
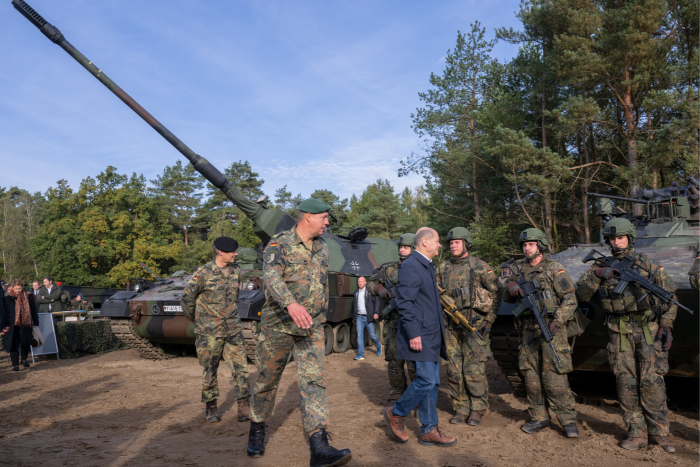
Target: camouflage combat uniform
293 274
81 305
397 375
694 274
466 353
544 375
638 362
210 300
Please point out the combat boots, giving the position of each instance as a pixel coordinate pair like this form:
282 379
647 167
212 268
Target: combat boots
534 427
664 442
256 440
571 431
458 418
244 409
325 455
474 418
212 412
632 443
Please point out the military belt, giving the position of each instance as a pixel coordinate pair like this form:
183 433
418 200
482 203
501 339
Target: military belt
638 318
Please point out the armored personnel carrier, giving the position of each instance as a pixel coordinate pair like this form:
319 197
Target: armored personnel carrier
149 315
667 231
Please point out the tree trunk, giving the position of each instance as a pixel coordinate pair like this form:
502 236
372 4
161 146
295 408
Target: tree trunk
586 178
474 187
627 109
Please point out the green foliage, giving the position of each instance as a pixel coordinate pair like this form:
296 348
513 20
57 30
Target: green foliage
98 235
379 210
20 214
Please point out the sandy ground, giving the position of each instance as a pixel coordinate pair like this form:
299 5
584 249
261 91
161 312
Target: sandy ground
118 409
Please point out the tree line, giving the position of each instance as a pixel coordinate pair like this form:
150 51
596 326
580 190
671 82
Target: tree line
97 234
601 96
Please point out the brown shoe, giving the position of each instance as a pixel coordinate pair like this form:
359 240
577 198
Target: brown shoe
212 412
436 438
632 444
244 409
458 418
474 418
396 424
664 442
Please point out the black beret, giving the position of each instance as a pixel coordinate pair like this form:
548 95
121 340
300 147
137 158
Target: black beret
314 206
226 244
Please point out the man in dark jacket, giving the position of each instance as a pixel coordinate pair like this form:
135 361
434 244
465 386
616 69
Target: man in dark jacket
49 297
365 310
421 338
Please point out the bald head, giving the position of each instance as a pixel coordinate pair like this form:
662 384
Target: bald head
427 241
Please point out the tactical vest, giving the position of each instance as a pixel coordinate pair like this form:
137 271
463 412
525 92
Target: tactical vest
463 295
626 302
538 273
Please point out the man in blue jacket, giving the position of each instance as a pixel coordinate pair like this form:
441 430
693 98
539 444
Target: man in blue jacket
421 338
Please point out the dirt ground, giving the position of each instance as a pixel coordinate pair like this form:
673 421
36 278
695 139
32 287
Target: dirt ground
118 409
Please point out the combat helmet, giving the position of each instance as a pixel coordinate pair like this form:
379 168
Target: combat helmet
406 240
533 235
246 256
617 228
460 233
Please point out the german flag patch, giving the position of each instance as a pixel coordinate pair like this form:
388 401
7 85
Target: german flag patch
272 244
489 271
661 267
560 271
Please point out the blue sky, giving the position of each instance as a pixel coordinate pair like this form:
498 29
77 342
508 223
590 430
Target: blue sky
312 94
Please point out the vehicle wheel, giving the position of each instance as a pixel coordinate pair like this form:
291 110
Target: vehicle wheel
341 341
329 336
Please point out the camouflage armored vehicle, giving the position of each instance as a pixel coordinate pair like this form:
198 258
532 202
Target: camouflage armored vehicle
148 314
96 295
669 232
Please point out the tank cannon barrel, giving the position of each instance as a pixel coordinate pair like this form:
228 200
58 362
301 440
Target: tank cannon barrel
618 198
267 222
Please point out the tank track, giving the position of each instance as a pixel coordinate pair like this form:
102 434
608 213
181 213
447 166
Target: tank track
124 330
505 341
251 339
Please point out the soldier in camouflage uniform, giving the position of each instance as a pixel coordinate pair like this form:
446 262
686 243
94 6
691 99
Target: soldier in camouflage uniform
694 273
545 376
378 285
210 301
462 277
78 304
638 362
295 268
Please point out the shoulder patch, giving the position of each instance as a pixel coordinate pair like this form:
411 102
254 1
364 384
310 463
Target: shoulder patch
560 271
489 271
272 244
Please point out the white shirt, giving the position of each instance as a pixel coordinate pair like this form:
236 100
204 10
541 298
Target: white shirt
49 290
429 260
361 309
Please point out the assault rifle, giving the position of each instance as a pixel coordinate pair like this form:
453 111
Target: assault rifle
531 299
623 269
450 309
391 287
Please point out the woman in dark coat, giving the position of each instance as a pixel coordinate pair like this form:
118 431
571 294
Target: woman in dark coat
20 315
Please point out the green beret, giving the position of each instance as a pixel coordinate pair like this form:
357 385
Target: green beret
314 206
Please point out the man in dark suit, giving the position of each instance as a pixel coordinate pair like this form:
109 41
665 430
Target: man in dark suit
421 338
365 310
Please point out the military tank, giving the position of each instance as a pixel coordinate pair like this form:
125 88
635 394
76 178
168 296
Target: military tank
148 314
668 231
